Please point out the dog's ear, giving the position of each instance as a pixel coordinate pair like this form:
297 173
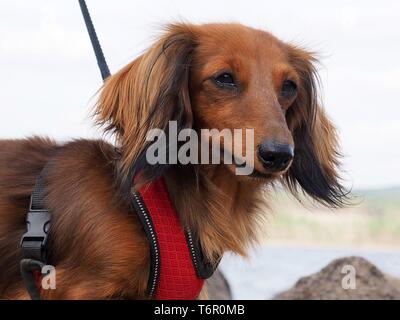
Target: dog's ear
148 93
315 166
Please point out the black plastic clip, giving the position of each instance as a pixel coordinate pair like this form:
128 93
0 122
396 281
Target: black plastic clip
33 242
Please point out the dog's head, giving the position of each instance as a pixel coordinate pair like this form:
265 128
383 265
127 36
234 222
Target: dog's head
227 76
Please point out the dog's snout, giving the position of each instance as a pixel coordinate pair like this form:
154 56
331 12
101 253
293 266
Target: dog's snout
275 156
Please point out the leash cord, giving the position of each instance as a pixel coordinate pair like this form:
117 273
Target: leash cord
101 61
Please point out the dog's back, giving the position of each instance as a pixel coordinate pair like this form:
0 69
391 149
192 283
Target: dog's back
91 228
20 163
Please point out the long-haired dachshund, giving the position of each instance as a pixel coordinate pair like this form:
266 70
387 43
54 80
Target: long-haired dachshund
201 76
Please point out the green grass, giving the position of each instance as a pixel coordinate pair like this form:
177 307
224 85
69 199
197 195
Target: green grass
374 220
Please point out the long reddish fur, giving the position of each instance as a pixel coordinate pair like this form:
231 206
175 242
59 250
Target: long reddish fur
97 243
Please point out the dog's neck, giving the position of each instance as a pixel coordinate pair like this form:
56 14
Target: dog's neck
219 208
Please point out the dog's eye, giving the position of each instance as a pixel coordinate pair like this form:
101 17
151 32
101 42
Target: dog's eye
225 80
289 89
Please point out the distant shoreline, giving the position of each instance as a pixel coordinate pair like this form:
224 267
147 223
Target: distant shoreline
331 246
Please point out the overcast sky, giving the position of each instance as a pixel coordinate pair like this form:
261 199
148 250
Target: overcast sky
49 74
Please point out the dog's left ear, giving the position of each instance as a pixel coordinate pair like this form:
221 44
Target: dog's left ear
315 166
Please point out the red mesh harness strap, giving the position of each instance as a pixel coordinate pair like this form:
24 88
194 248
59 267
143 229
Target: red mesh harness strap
177 268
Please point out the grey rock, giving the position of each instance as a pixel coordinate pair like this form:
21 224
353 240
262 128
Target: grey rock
218 287
371 283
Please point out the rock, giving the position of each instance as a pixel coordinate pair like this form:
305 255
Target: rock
218 287
370 283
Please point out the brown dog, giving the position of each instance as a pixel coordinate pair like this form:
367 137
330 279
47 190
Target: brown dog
209 76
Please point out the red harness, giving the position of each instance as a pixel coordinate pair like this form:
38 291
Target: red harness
178 268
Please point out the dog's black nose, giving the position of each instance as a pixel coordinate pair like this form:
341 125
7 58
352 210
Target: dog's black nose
275 156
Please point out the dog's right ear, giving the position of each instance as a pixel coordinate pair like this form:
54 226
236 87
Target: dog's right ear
148 93
316 164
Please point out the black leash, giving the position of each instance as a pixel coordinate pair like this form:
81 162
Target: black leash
101 60
33 242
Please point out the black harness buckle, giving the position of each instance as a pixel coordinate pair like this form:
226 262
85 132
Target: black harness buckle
33 242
